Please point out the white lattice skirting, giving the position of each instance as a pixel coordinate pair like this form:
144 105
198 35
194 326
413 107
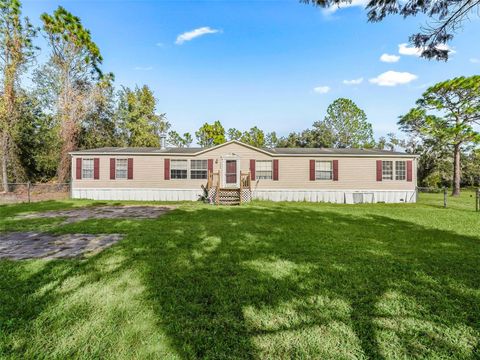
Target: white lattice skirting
246 195
339 196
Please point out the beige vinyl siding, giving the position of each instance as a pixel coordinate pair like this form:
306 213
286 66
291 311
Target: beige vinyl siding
148 171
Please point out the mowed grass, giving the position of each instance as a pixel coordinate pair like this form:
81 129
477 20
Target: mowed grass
265 281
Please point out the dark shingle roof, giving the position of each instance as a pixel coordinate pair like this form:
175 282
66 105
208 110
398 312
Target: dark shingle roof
328 151
183 150
274 151
139 150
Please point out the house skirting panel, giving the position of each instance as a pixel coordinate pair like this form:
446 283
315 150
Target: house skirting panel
331 196
138 194
337 196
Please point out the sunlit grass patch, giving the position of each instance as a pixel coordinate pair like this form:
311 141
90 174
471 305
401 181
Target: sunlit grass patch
265 280
332 340
404 330
276 268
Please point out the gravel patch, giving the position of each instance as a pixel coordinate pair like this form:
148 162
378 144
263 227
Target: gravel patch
103 212
34 245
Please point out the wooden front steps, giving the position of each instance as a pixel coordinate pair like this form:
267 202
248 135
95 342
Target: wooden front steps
228 196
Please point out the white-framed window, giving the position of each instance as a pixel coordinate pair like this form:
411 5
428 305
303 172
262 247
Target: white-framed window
400 170
264 169
323 170
87 168
121 168
387 170
179 169
198 169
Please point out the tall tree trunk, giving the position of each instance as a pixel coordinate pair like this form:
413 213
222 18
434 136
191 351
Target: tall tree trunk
9 119
69 135
71 109
457 171
5 162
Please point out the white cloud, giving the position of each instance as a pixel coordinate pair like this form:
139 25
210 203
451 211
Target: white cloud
322 89
404 49
393 78
143 68
160 44
475 61
353 81
353 3
190 35
389 58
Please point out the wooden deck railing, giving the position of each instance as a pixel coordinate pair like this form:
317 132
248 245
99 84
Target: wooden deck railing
213 182
244 183
213 179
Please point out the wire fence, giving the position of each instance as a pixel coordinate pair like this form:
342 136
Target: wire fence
441 197
434 190
28 192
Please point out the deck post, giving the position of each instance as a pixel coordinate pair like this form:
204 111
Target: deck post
217 193
241 187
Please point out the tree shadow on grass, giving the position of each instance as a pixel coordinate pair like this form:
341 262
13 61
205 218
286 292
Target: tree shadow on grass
27 288
250 282
43 300
295 282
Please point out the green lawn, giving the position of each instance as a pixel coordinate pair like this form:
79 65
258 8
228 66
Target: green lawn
265 280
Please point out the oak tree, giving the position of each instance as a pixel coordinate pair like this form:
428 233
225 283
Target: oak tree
139 123
211 134
345 125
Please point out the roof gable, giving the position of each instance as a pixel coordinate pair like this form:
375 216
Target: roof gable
206 150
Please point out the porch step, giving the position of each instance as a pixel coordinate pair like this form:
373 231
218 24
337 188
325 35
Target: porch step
228 196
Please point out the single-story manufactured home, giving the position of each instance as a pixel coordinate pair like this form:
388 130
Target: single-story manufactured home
234 172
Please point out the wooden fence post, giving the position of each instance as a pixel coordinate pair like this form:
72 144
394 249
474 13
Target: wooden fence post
445 194
477 202
28 190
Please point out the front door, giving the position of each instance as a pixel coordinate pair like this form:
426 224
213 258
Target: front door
231 172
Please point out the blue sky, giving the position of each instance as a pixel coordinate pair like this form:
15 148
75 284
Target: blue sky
274 64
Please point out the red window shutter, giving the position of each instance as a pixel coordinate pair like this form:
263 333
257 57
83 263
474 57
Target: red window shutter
252 169
166 169
312 170
130 169
112 168
335 170
96 168
379 170
409 170
275 169
78 170
210 165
